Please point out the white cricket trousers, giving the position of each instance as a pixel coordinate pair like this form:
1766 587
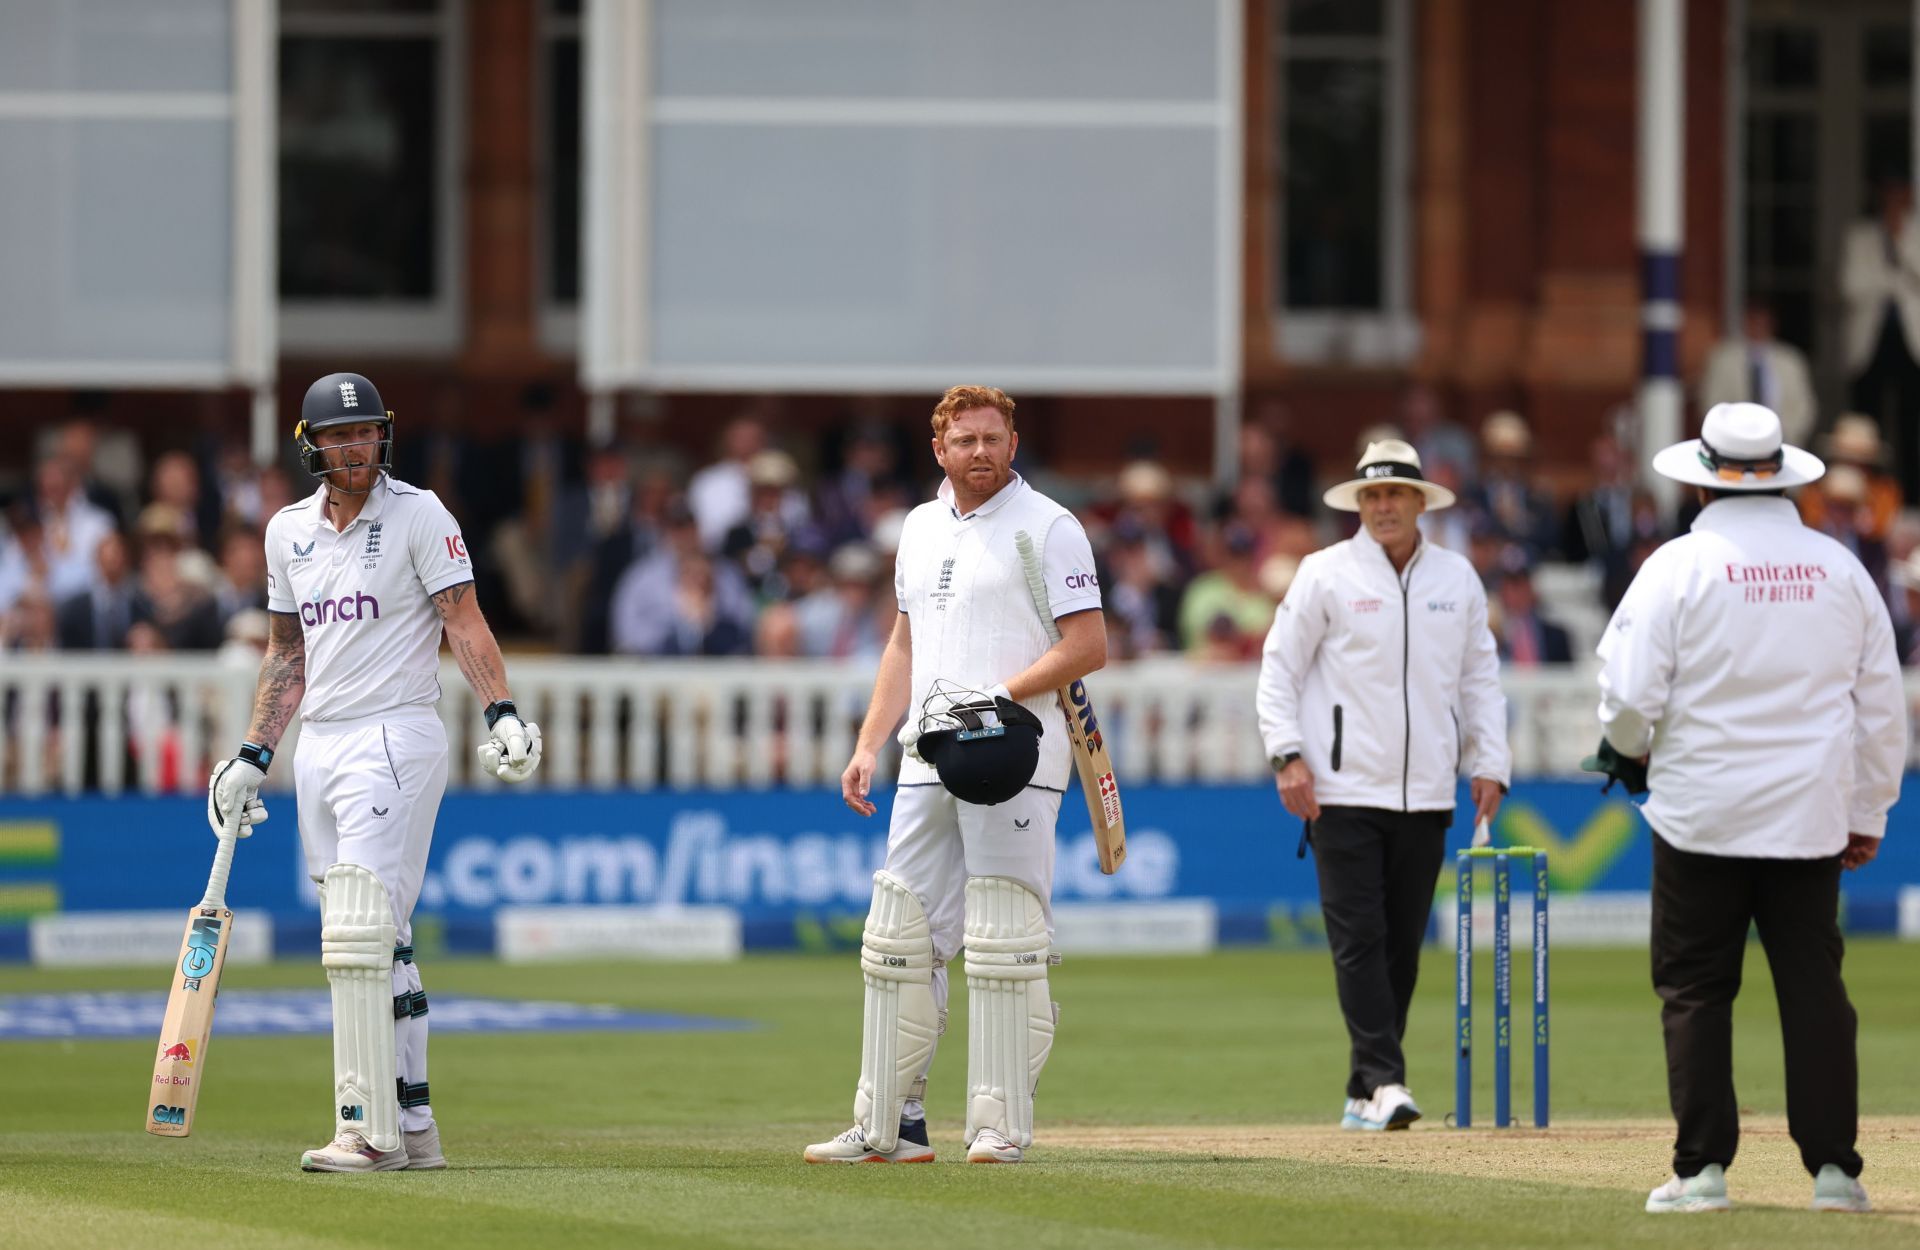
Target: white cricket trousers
935 842
367 793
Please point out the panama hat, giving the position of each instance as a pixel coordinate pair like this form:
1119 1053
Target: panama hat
1739 449
1387 461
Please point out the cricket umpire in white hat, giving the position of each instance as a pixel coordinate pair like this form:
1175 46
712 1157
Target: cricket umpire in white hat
1379 686
1751 668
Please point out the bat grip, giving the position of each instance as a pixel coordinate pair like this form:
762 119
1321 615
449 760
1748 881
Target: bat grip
1036 583
216 895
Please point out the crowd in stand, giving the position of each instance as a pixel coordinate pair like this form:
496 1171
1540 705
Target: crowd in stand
626 551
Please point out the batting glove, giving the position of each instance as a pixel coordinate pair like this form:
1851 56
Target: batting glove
235 787
513 750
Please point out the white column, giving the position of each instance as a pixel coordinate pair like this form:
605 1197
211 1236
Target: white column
615 123
255 297
1662 199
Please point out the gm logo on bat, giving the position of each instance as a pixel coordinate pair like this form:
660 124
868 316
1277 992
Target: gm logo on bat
202 941
1083 712
163 1114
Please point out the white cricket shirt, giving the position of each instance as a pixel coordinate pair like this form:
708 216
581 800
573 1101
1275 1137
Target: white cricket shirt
960 581
1755 658
363 597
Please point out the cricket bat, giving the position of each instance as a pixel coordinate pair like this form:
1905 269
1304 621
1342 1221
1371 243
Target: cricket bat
181 1065
1090 758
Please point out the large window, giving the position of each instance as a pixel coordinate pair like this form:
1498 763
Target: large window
368 205
1341 128
558 280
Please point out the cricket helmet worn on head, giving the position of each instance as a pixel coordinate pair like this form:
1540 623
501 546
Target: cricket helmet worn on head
985 748
1739 449
342 399
1390 461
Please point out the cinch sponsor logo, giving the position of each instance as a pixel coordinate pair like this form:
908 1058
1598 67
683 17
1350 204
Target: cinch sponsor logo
202 941
1077 580
359 606
1742 574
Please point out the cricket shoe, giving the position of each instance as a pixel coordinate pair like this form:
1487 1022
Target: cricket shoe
423 1149
1834 1190
852 1147
349 1152
1704 1192
1351 1117
1391 1108
988 1146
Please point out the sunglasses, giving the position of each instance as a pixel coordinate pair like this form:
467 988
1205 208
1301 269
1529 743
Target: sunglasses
1730 470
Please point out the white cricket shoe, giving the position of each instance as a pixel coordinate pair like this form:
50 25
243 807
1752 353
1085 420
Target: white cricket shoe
1704 1192
1834 1190
1391 1107
851 1147
423 1149
349 1152
988 1146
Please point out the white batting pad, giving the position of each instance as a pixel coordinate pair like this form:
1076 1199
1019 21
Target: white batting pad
1010 1018
901 1026
356 946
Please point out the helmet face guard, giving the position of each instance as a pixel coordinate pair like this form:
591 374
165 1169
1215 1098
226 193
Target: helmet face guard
313 457
985 749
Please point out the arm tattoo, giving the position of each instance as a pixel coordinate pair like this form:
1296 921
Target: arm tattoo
283 679
450 598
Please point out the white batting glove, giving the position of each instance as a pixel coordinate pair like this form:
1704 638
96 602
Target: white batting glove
908 737
513 751
235 787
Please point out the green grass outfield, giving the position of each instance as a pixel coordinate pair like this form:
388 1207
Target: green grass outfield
1188 1098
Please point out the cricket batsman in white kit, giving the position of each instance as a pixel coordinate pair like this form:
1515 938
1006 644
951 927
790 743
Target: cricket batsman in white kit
363 576
971 666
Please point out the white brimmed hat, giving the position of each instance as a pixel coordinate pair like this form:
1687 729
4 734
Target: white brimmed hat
1387 461
1739 449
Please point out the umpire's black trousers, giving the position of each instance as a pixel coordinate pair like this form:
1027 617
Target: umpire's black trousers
1377 871
1702 905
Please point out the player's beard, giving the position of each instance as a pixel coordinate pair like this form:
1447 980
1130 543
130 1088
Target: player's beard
981 485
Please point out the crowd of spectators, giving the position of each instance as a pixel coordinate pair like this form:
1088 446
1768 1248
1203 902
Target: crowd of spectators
630 551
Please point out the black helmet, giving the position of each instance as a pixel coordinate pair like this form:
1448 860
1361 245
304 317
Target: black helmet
341 399
985 749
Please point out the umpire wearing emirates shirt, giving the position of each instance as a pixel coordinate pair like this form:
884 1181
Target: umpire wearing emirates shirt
1379 686
1751 664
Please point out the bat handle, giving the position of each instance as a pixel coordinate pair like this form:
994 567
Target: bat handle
216 895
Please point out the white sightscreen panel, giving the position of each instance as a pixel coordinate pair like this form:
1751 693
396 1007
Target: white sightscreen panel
979 49
115 45
115 241
910 247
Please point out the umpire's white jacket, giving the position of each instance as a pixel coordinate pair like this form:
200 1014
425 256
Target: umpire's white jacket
1385 683
1754 658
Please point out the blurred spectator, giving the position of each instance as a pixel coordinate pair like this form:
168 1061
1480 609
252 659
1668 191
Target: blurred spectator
175 481
1451 528
867 484
838 620
1845 515
776 513
1276 576
246 640
276 492
1423 422
1525 638
1225 614
70 527
23 554
1147 501
241 585
1275 532
642 613
698 624
78 443
1143 610
236 483
1755 366
100 617
30 624
720 493
1855 442
1506 491
776 635
1880 284
1267 451
179 611
1598 530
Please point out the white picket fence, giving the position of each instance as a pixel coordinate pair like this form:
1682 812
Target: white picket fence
160 721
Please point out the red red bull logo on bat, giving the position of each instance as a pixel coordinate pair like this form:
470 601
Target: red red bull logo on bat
179 1052
1082 712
